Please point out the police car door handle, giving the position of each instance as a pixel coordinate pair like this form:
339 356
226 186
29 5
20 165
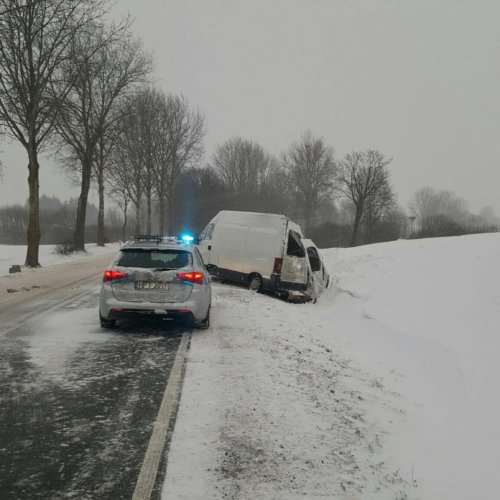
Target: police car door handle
210 247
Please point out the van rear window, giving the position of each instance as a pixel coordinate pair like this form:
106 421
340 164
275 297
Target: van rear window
314 259
294 246
154 258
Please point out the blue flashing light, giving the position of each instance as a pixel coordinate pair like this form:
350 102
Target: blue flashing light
187 238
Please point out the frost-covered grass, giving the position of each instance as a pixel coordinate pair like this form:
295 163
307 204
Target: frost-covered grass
16 254
384 389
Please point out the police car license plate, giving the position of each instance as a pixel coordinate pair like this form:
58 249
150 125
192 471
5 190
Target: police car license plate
151 285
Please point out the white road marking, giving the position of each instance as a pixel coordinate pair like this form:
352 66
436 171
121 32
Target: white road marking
149 469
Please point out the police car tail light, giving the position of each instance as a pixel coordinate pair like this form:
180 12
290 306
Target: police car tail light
111 275
191 277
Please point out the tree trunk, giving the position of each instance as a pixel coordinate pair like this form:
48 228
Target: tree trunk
137 204
148 210
33 236
101 238
355 229
124 227
170 209
161 226
81 214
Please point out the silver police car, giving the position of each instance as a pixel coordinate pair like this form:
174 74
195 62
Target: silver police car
156 275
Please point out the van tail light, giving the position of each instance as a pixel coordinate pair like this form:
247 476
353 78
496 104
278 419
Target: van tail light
278 262
111 275
192 277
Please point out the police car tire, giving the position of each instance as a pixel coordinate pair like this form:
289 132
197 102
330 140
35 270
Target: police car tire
106 323
204 324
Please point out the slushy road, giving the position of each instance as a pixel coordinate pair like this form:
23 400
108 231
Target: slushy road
77 403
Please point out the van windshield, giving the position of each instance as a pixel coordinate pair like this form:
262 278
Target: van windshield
294 246
206 234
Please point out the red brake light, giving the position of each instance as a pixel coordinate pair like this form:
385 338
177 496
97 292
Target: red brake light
111 275
278 262
192 277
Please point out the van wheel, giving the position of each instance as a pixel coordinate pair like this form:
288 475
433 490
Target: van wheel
255 283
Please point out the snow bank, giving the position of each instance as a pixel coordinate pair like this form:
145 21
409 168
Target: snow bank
384 389
429 310
16 254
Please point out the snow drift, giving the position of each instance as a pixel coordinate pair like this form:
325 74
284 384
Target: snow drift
386 388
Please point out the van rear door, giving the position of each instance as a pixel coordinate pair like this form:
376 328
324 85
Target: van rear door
319 276
294 268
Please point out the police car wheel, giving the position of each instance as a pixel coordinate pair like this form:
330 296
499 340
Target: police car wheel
107 323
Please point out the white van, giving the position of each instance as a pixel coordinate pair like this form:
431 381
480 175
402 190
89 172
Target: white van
262 251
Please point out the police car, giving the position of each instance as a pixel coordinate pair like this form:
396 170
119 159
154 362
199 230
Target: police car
157 275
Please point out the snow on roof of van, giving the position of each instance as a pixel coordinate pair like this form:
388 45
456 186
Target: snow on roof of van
252 219
239 213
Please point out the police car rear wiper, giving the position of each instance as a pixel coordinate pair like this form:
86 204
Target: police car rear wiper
165 268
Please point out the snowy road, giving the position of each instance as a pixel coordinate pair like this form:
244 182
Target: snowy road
77 404
372 393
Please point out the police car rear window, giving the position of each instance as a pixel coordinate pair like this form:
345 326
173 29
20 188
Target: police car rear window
154 258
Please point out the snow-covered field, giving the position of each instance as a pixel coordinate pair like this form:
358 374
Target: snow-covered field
384 389
16 254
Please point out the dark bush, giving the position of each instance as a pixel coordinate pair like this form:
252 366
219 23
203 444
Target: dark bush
65 248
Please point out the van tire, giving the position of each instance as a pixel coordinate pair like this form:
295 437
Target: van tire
255 282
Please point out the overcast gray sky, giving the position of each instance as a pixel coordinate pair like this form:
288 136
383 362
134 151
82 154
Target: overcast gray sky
418 80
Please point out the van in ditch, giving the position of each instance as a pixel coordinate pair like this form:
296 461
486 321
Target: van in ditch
261 251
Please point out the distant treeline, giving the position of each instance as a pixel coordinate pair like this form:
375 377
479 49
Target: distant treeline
94 104
57 222
199 194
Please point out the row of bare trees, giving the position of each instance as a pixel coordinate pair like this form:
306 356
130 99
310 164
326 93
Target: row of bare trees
443 213
160 136
310 177
73 83
65 76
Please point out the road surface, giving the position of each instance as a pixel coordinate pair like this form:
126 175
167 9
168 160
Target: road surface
77 404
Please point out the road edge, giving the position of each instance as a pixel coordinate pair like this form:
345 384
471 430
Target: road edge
152 459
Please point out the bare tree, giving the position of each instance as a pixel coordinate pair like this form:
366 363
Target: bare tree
383 204
149 107
34 40
310 166
242 165
433 208
363 178
104 66
126 167
179 146
100 166
423 203
120 194
487 216
162 158
133 155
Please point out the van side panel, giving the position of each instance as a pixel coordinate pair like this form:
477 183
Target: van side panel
264 242
228 245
